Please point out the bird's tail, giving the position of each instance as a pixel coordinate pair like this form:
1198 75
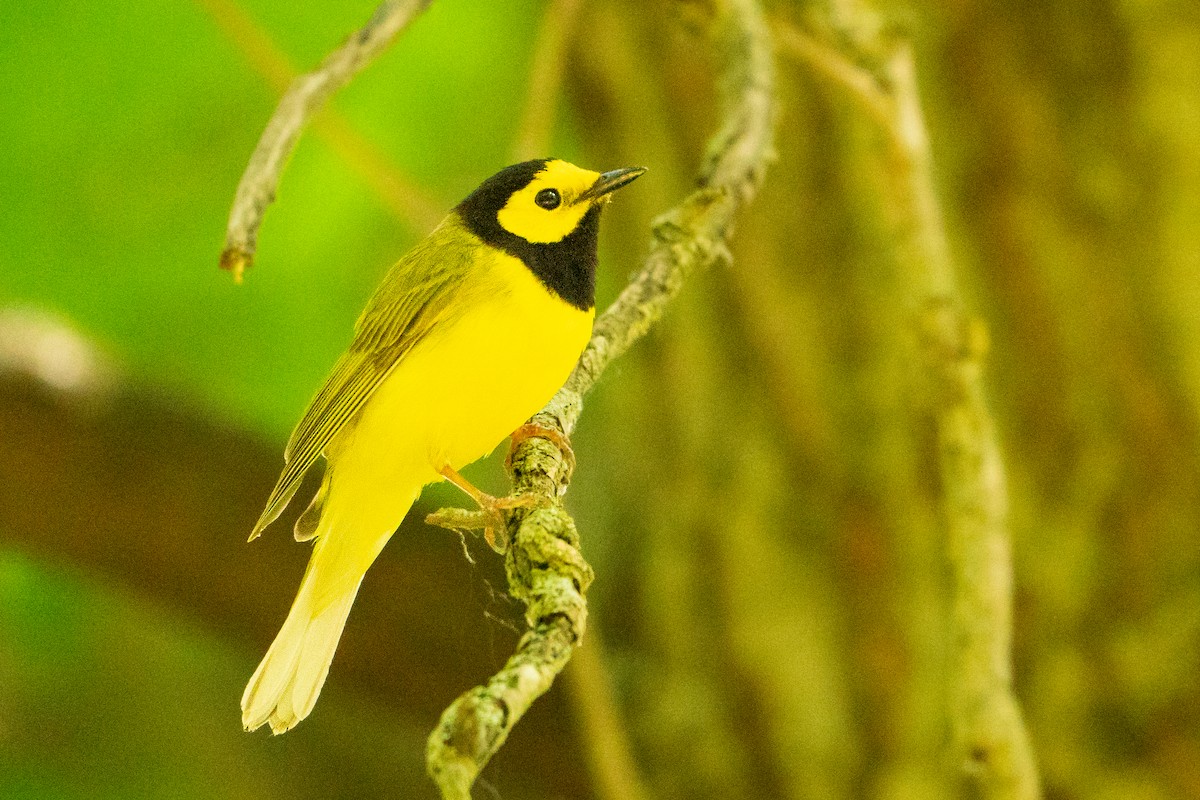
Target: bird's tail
285 686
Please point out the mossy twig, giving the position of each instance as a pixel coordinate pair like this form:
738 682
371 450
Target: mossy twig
306 95
543 563
547 573
990 739
694 234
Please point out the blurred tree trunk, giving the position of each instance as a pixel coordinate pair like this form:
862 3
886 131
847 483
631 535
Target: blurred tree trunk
776 542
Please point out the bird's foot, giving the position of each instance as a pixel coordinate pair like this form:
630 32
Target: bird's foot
489 516
531 430
491 507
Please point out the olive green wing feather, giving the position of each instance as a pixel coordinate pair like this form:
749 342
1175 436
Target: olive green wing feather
415 297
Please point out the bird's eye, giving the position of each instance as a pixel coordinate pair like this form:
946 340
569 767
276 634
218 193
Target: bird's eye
548 199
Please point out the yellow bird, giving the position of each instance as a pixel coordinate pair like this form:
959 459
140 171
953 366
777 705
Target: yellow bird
468 336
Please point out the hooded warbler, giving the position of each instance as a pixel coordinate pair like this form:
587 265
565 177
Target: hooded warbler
468 336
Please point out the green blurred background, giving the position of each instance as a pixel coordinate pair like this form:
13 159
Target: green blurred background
755 491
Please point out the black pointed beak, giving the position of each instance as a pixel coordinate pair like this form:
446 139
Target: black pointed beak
610 182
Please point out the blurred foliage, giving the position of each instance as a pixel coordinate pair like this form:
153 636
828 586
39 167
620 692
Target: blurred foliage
75 648
123 154
755 490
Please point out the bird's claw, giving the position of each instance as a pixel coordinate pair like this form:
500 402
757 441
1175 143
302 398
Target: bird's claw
488 517
532 430
490 510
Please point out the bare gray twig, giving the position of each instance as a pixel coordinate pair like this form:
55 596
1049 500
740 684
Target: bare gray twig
306 95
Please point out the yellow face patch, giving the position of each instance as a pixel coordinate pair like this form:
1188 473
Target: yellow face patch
528 213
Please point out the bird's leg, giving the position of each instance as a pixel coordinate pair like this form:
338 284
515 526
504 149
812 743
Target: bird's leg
531 430
489 506
448 472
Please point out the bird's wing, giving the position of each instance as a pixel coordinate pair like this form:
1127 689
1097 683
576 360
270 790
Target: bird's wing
416 295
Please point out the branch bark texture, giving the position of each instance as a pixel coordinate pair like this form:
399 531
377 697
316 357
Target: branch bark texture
543 563
305 97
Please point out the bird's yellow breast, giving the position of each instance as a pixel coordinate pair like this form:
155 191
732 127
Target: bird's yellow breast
475 378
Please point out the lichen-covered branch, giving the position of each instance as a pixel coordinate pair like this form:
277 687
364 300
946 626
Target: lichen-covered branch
989 733
306 95
990 739
543 563
694 234
547 573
